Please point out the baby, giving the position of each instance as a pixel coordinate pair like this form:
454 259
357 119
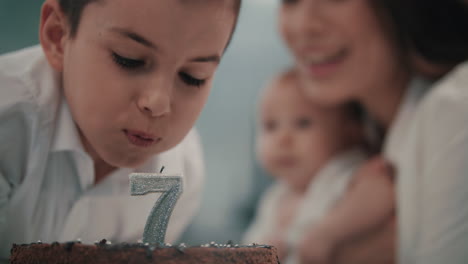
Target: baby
313 153
115 87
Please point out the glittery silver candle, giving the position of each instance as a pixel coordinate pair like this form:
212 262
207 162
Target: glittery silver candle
171 189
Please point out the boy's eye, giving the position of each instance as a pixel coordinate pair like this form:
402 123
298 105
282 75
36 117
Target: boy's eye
303 123
127 63
191 80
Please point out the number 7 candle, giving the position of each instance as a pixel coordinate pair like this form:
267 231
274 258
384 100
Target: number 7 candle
171 188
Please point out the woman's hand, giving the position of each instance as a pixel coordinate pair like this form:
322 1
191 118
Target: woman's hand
316 248
280 245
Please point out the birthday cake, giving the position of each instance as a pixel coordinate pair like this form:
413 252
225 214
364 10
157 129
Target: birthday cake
103 252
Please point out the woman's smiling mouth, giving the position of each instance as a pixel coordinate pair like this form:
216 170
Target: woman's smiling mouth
323 65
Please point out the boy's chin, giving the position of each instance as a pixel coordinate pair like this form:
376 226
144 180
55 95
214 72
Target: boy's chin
127 162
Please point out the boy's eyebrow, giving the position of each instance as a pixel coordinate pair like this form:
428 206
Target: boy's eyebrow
134 36
212 58
137 38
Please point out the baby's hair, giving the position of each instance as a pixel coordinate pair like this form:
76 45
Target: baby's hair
74 8
352 110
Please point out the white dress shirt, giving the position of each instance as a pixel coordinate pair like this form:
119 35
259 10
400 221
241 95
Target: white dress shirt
326 188
47 189
428 144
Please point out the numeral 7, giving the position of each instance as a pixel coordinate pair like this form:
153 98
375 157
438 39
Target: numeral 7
171 189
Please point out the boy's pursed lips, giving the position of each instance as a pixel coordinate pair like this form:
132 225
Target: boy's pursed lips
140 138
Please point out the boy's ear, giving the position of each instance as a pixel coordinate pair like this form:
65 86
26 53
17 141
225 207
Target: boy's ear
53 33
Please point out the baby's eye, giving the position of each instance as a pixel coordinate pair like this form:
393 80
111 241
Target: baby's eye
303 123
270 126
127 63
190 80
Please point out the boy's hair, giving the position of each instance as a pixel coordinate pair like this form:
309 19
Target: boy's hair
74 8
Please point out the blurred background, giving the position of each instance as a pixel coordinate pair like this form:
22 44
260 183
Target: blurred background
227 124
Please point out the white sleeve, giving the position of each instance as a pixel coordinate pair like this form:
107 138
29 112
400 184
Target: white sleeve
444 211
5 192
263 224
194 177
434 204
14 100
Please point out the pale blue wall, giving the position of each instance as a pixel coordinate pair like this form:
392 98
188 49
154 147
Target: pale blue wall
18 23
226 124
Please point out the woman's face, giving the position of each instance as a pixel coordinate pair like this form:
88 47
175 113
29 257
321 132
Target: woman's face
341 47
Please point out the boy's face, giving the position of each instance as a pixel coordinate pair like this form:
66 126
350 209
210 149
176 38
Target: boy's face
138 73
296 137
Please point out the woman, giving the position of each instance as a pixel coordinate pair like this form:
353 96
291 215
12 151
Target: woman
386 54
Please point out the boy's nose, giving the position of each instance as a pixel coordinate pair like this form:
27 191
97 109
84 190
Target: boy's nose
156 103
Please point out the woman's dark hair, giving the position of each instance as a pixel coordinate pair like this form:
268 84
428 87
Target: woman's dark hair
74 8
436 29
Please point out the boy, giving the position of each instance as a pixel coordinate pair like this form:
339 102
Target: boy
313 153
115 83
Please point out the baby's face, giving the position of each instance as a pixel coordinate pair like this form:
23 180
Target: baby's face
296 137
138 73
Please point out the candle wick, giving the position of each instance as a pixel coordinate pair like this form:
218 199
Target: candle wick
161 169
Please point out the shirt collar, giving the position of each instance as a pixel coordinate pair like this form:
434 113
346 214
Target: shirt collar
66 137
